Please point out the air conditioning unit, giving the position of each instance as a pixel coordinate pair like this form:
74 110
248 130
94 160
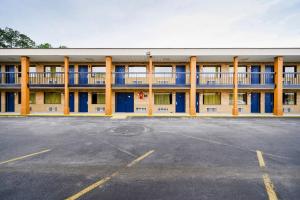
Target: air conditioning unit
162 109
287 110
142 109
99 109
211 109
137 82
211 82
100 82
163 82
52 109
52 81
241 110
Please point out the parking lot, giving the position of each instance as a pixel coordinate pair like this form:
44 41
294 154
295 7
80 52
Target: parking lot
149 158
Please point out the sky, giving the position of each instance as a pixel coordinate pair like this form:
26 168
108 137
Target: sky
156 23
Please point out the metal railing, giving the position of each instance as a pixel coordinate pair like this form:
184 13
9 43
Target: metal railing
214 78
46 78
86 78
291 78
10 78
130 78
169 78
256 78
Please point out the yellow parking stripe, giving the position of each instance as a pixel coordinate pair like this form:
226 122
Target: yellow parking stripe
101 182
269 187
23 157
260 159
140 158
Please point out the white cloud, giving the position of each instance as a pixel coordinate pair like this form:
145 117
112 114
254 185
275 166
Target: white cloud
161 23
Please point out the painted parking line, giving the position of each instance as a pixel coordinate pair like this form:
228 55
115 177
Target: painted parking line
260 158
25 156
101 182
266 178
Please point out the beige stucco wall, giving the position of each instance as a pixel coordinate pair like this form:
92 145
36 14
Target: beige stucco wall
40 107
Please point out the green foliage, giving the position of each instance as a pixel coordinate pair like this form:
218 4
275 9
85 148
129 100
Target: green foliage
44 46
10 38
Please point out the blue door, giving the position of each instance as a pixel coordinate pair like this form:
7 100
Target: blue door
124 102
180 102
197 75
83 74
197 102
9 102
120 75
269 76
71 101
255 102
269 102
10 77
71 74
180 75
83 102
255 76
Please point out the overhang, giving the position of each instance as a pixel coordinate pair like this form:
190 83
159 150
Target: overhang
158 54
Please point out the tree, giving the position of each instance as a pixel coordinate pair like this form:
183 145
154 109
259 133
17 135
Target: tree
44 46
10 38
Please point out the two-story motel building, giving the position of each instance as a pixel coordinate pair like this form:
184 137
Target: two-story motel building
150 81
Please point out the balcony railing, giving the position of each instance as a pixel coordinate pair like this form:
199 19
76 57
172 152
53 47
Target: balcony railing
130 78
46 78
170 79
10 78
291 79
214 79
255 78
86 78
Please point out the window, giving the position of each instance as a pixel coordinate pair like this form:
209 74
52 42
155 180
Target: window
163 71
242 99
98 69
51 70
163 99
32 98
289 98
211 69
52 98
289 70
98 98
212 98
137 71
241 69
32 69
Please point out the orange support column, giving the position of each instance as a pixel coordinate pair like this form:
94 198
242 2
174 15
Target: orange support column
150 79
108 90
66 79
235 110
193 61
25 107
278 69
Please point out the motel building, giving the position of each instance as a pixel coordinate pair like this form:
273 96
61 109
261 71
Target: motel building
176 81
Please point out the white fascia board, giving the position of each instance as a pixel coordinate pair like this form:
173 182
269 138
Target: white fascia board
154 52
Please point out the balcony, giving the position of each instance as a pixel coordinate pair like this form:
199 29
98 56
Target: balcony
10 79
130 79
46 79
87 79
257 80
168 79
291 80
214 80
